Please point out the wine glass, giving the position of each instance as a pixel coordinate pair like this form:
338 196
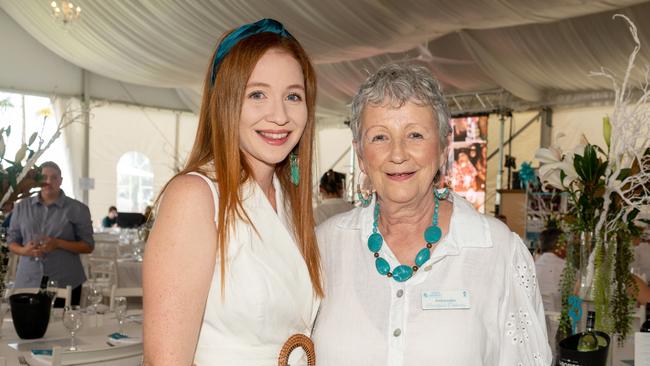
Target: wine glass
72 321
95 295
38 242
120 312
51 291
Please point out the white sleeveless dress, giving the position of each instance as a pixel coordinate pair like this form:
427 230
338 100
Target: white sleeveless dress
268 293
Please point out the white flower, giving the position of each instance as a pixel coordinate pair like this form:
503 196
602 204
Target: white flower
548 155
569 169
554 164
549 174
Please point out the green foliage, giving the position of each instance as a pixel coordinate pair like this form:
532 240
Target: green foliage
5 103
567 284
10 170
602 289
587 194
622 302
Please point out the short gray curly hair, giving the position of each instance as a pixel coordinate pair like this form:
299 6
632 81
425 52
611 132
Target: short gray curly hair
395 85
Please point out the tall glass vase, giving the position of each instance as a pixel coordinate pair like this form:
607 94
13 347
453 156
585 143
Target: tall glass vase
586 269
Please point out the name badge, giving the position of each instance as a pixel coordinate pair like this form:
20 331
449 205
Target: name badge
445 299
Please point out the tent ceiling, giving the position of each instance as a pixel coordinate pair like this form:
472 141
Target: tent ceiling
531 49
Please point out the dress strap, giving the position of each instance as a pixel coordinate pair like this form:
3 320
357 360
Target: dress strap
213 189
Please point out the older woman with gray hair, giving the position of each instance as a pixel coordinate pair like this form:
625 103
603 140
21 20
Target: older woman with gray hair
417 276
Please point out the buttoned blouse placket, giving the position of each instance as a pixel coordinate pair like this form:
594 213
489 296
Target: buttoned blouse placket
401 292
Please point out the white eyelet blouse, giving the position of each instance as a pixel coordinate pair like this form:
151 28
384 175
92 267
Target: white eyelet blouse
368 319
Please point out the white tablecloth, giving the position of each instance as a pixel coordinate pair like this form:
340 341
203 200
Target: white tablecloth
90 336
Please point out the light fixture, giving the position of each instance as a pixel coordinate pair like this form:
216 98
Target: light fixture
65 11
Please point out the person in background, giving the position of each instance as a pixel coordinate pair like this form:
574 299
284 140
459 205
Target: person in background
7 210
549 268
331 187
48 232
111 219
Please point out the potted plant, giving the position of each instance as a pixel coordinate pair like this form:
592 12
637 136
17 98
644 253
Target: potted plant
607 189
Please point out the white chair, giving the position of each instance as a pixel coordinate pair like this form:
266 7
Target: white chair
125 292
63 357
104 249
61 293
103 270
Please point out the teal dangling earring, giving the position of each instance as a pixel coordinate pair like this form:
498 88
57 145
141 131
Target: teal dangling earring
295 170
364 199
441 195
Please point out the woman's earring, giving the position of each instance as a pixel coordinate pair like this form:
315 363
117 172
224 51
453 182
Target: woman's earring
364 197
295 171
365 190
441 195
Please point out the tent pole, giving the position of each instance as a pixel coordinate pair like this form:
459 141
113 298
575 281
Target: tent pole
546 132
502 122
85 167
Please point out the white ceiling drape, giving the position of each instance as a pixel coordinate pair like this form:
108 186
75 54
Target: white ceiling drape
532 49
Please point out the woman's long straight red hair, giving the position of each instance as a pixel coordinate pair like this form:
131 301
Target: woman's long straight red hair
217 145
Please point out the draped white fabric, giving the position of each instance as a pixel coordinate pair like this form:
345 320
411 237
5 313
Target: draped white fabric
533 49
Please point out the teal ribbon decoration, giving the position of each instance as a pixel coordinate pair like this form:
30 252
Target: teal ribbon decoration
243 32
575 312
526 174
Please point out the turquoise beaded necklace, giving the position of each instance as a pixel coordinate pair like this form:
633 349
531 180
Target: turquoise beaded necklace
432 235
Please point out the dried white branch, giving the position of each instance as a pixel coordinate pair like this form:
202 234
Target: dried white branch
69 116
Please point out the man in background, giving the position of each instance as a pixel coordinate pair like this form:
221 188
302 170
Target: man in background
49 231
111 219
549 268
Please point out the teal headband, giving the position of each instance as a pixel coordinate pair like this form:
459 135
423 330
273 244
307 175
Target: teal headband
243 32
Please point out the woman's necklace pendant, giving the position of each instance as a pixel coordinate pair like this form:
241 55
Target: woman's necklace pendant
403 272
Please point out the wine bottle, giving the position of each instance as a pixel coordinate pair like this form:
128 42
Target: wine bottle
44 288
44 280
588 341
645 327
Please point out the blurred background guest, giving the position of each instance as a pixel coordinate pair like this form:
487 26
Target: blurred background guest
331 187
549 267
49 231
7 209
111 219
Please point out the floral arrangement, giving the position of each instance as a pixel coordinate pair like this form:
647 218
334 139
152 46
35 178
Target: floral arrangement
607 189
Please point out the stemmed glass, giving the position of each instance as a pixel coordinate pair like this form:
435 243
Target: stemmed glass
120 312
39 242
95 297
51 290
72 321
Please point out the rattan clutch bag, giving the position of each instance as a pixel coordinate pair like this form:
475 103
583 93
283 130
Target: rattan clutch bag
295 341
